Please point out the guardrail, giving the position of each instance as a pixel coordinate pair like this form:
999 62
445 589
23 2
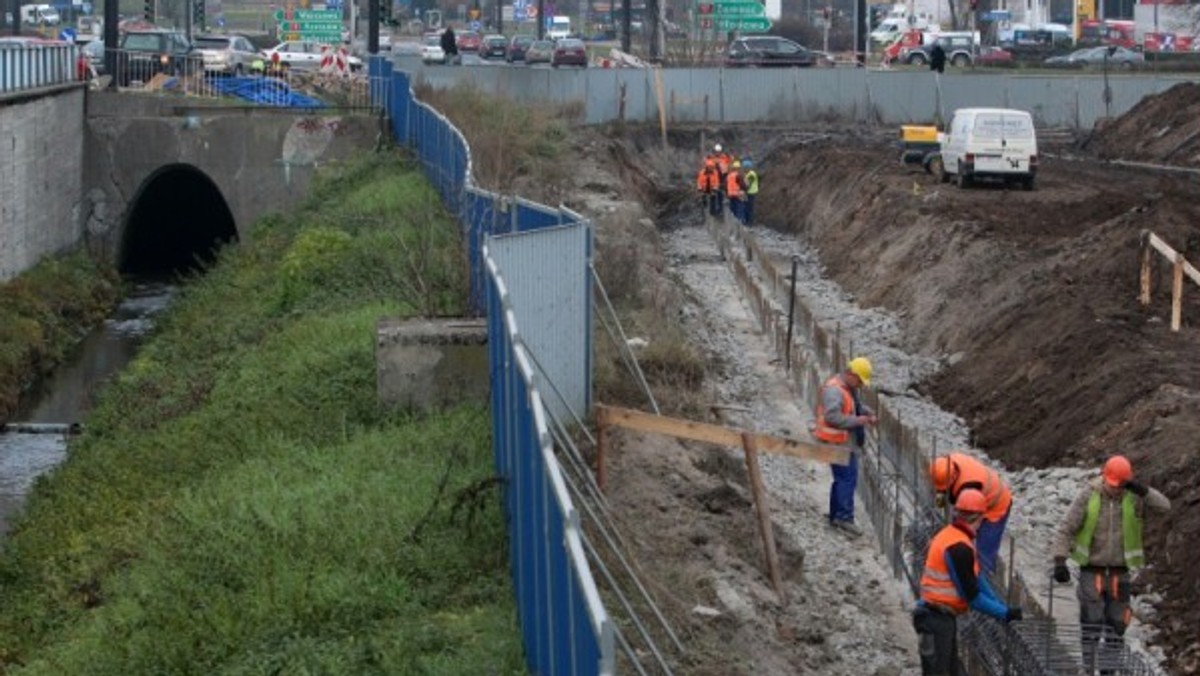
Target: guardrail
565 627
32 66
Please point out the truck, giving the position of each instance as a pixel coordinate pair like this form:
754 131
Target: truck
40 15
1165 28
560 27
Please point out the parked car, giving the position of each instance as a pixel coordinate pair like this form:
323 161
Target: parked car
1096 56
960 48
227 54
993 56
302 55
431 49
766 51
144 54
569 52
468 41
516 48
539 51
493 47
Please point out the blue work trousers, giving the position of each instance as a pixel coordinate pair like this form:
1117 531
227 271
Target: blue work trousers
735 207
987 541
841 493
748 210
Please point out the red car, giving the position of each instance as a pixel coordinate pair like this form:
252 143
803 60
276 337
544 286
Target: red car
993 56
469 41
569 52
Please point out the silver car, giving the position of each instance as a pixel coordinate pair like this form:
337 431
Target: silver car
228 54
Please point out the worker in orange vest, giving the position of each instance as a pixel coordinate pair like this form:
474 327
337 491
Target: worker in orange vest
955 472
842 418
735 189
708 183
951 585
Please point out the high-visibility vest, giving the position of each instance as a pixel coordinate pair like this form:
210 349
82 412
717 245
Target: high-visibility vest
707 180
732 187
937 587
751 182
995 491
723 162
824 431
1131 532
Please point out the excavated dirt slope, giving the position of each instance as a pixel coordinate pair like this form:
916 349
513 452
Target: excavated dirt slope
1162 129
1034 295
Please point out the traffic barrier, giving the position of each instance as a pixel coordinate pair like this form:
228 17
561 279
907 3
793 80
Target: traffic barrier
33 65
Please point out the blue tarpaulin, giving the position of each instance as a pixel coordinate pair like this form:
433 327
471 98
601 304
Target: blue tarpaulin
266 91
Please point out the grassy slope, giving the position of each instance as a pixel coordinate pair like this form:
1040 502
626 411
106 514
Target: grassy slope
240 504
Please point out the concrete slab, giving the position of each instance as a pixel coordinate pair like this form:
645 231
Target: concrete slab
429 364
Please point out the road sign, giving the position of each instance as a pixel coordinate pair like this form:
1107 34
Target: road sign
746 24
308 15
310 26
740 8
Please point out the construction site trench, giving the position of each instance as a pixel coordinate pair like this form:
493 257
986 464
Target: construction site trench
999 320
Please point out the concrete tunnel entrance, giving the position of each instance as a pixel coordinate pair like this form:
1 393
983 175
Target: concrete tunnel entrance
177 222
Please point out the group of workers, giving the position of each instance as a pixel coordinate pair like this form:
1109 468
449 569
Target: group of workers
1102 534
724 178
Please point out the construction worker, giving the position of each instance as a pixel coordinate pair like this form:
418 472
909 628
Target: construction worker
734 189
955 472
1103 534
842 418
951 585
708 183
723 160
750 178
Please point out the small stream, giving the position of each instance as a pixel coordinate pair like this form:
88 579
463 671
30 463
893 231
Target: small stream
68 394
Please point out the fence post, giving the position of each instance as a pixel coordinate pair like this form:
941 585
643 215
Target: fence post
764 517
1177 293
1144 295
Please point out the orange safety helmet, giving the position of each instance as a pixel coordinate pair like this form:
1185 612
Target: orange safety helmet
942 472
970 501
1117 471
710 163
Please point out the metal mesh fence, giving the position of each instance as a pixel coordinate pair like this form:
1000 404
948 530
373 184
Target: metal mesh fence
899 500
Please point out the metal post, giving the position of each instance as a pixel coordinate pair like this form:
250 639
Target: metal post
791 314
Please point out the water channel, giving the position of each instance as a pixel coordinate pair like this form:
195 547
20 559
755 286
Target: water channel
65 397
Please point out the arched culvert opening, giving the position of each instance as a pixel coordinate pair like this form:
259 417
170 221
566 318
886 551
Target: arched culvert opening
177 223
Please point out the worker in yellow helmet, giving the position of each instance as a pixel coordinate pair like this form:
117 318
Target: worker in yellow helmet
842 418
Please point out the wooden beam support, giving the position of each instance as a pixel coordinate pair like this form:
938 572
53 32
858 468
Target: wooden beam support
1177 293
763 512
1144 295
722 436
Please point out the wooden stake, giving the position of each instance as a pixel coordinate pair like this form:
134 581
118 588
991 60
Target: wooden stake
1144 296
764 514
1177 293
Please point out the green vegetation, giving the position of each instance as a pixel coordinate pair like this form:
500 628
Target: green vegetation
240 504
43 313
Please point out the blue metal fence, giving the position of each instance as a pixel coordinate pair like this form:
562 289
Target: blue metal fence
564 625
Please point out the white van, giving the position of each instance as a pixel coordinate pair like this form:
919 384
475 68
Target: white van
560 27
995 143
40 15
893 27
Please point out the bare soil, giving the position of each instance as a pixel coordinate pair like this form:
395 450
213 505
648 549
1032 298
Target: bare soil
1027 299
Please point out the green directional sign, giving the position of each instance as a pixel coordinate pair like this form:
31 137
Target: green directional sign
310 26
745 24
308 15
739 8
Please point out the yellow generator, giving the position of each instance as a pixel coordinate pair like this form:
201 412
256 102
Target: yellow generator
920 144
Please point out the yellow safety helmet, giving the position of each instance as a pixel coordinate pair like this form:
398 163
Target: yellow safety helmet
736 164
859 366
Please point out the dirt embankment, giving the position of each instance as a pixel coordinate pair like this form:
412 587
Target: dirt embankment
1163 129
1032 298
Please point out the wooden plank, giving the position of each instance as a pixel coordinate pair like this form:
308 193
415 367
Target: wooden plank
723 436
1166 250
763 512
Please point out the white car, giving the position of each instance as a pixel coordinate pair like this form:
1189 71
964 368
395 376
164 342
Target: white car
303 55
431 49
